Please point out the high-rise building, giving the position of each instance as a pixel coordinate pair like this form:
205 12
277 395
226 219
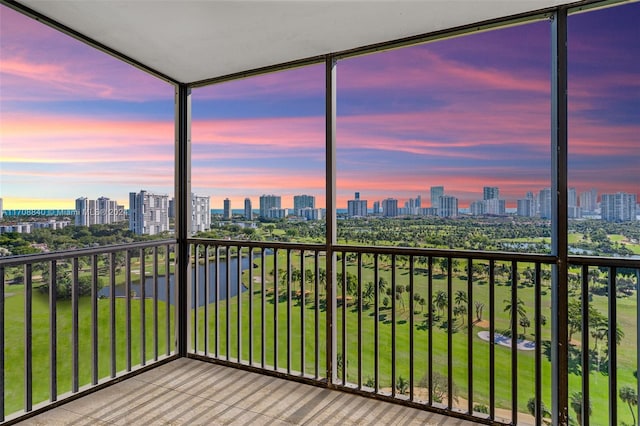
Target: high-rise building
527 206
490 192
200 213
589 201
227 209
573 210
390 207
478 208
267 203
148 213
102 211
448 206
495 206
618 207
248 211
436 193
303 201
545 203
1 211
357 207
376 207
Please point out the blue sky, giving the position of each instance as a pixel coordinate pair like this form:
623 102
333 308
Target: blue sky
464 113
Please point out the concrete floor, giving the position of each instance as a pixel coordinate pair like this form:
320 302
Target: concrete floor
191 392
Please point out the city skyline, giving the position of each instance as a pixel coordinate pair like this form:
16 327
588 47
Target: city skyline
455 112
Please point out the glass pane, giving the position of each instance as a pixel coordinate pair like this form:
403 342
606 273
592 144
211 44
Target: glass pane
258 153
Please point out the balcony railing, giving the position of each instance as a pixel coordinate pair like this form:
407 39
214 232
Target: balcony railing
420 327
91 340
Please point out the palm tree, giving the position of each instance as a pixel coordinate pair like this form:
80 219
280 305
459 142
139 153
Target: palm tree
520 310
629 395
440 301
479 307
576 403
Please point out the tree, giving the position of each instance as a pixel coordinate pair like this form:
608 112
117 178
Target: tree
439 386
402 385
479 307
629 395
519 308
576 403
440 301
525 323
531 407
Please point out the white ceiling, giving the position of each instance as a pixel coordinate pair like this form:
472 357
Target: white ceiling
192 40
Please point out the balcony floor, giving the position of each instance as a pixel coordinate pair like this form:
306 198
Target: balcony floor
187 391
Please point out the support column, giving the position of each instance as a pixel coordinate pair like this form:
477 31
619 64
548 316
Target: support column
559 220
183 213
330 185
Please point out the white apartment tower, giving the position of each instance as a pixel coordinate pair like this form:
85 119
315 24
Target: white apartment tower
200 213
102 211
618 207
269 203
148 213
448 206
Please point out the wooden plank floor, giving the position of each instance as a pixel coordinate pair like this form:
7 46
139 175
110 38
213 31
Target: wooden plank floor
192 392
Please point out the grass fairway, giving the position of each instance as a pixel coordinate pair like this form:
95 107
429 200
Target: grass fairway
14 345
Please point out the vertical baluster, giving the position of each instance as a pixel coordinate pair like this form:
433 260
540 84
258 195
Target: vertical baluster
276 298
74 327
411 336
613 351
112 312
344 318
359 320
430 329
492 341
239 303
303 303
127 290
205 296
585 341
316 292
53 331
28 338
216 307
263 310
228 303
538 347
514 342
376 331
251 306
470 334
195 303
143 313
167 276
449 334
155 303
288 285
2 343
393 325
94 319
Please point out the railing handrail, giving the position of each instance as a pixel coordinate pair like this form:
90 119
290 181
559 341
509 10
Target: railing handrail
68 254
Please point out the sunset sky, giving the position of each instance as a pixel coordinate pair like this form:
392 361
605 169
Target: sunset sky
462 113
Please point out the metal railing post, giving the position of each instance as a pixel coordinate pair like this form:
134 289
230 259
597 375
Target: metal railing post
183 213
559 221
331 240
